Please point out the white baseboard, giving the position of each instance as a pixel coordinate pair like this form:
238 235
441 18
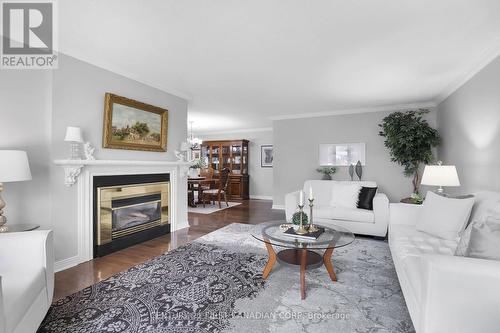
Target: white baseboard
261 197
281 207
61 265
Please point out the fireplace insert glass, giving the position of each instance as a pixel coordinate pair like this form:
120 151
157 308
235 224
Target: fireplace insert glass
131 212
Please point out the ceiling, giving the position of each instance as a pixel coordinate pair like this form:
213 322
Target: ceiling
243 63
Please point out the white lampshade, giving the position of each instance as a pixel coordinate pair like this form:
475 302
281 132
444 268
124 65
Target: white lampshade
73 134
440 175
14 166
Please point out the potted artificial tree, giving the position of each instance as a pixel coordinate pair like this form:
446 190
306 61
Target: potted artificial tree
410 140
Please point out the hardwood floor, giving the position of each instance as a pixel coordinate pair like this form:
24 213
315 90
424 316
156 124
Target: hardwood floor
88 273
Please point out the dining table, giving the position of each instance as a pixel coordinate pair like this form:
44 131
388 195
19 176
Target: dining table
195 185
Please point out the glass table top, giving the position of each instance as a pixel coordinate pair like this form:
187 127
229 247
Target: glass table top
333 237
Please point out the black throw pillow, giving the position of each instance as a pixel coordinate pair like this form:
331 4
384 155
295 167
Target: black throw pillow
366 195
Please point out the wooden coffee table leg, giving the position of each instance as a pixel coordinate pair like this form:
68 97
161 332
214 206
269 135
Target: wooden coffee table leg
327 260
303 261
270 261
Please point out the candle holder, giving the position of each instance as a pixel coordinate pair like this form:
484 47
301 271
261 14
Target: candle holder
312 227
301 230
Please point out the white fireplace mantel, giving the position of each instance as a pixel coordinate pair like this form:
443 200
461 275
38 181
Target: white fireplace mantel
82 172
73 168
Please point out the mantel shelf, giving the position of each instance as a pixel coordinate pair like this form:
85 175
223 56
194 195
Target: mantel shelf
73 168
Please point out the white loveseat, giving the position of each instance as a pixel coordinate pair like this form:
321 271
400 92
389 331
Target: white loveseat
26 280
359 221
444 292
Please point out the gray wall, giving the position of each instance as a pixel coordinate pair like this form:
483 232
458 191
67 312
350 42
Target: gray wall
261 179
296 152
25 115
469 123
36 107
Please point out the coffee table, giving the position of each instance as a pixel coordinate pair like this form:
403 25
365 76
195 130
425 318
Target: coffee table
302 252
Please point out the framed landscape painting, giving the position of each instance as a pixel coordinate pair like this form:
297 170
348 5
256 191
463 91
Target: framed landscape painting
130 124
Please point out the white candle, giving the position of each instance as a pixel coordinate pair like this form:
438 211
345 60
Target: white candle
301 198
311 193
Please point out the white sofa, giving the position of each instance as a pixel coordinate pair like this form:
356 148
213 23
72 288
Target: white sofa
26 280
359 221
443 292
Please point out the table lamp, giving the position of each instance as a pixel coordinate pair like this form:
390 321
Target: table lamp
440 175
14 167
74 136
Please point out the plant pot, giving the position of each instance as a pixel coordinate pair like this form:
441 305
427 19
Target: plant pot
326 176
193 173
410 200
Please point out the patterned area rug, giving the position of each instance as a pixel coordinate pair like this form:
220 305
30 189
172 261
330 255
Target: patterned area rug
190 289
215 285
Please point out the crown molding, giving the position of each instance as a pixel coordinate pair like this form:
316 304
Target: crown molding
241 130
485 59
120 71
394 107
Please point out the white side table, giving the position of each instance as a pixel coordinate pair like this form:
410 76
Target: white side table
18 227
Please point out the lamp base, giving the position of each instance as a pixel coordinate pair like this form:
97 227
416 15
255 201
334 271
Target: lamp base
440 191
75 151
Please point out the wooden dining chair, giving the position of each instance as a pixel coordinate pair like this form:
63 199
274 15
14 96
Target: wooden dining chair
220 191
206 184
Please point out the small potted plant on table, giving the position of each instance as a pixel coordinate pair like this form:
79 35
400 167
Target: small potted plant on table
327 172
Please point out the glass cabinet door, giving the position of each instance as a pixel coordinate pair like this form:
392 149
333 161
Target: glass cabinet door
214 152
236 158
226 156
205 155
244 160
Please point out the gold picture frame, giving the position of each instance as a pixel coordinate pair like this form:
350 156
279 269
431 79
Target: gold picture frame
133 125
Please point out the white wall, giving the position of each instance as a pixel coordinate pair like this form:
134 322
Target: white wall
36 107
25 115
261 179
296 152
469 123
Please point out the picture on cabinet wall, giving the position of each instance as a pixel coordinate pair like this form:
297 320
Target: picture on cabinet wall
266 156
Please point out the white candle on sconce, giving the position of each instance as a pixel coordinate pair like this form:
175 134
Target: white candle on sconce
301 198
311 193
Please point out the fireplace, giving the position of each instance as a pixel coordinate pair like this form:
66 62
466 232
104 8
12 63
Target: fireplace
129 209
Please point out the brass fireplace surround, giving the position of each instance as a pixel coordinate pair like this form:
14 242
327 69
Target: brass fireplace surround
106 196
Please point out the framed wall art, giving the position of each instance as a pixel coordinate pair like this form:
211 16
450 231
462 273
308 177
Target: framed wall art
130 124
266 156
342 154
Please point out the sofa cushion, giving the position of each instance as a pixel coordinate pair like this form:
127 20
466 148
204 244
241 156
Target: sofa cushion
342 213
444 217
322 189
345 195
405 240
408 245
20 289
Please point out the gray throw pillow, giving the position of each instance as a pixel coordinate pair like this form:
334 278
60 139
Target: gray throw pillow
484 239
